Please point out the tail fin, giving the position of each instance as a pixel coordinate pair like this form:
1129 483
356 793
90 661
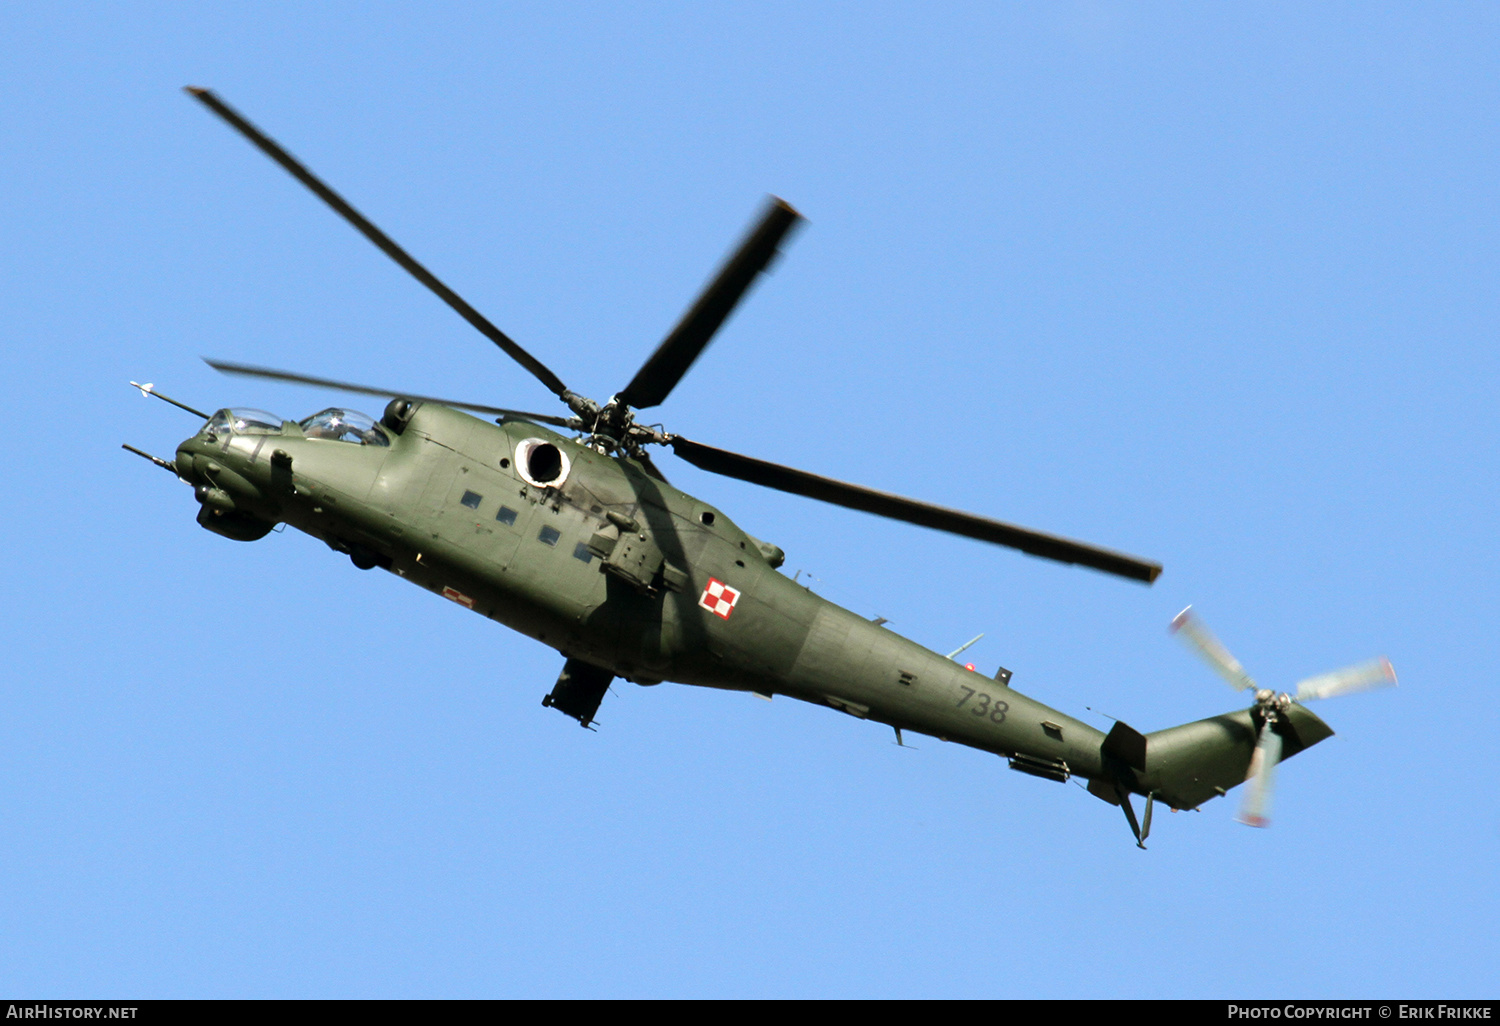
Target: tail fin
1188 765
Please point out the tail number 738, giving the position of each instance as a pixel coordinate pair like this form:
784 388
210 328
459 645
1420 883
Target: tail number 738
983 705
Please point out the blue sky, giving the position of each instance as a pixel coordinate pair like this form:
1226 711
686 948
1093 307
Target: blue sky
1211 285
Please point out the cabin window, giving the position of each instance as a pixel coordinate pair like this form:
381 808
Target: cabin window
549 535
471 500
506 516
581 551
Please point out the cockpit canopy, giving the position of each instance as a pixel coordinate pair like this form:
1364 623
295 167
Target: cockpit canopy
332 424
245 422
344 426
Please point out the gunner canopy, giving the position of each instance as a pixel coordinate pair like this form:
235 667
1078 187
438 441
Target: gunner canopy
245 422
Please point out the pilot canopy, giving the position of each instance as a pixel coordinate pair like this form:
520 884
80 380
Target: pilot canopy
344 426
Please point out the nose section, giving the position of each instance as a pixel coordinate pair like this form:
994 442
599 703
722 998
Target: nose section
184 461
231 503
195 456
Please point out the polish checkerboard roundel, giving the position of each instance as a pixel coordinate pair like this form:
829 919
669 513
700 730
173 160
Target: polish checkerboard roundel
719 598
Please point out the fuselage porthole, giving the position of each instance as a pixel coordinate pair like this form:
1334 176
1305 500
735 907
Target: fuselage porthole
541 464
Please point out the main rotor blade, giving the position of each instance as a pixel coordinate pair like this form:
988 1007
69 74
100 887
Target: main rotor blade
1201 640
1377 673
1255 810
660 374
273 150
868 500
246 371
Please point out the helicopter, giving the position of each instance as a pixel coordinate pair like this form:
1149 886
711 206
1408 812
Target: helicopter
563 528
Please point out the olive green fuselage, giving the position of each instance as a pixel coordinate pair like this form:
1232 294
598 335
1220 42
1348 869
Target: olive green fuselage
614 567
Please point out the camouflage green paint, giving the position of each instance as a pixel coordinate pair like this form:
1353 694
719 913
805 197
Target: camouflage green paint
616 568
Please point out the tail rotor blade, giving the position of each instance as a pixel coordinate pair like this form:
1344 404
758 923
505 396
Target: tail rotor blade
1201 640
1377 673
1256 809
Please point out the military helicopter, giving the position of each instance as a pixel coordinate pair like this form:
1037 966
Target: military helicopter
576 538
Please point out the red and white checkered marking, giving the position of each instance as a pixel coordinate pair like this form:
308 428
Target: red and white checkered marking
453 594
719 598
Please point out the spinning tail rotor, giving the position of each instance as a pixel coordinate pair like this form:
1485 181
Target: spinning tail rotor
1271 707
